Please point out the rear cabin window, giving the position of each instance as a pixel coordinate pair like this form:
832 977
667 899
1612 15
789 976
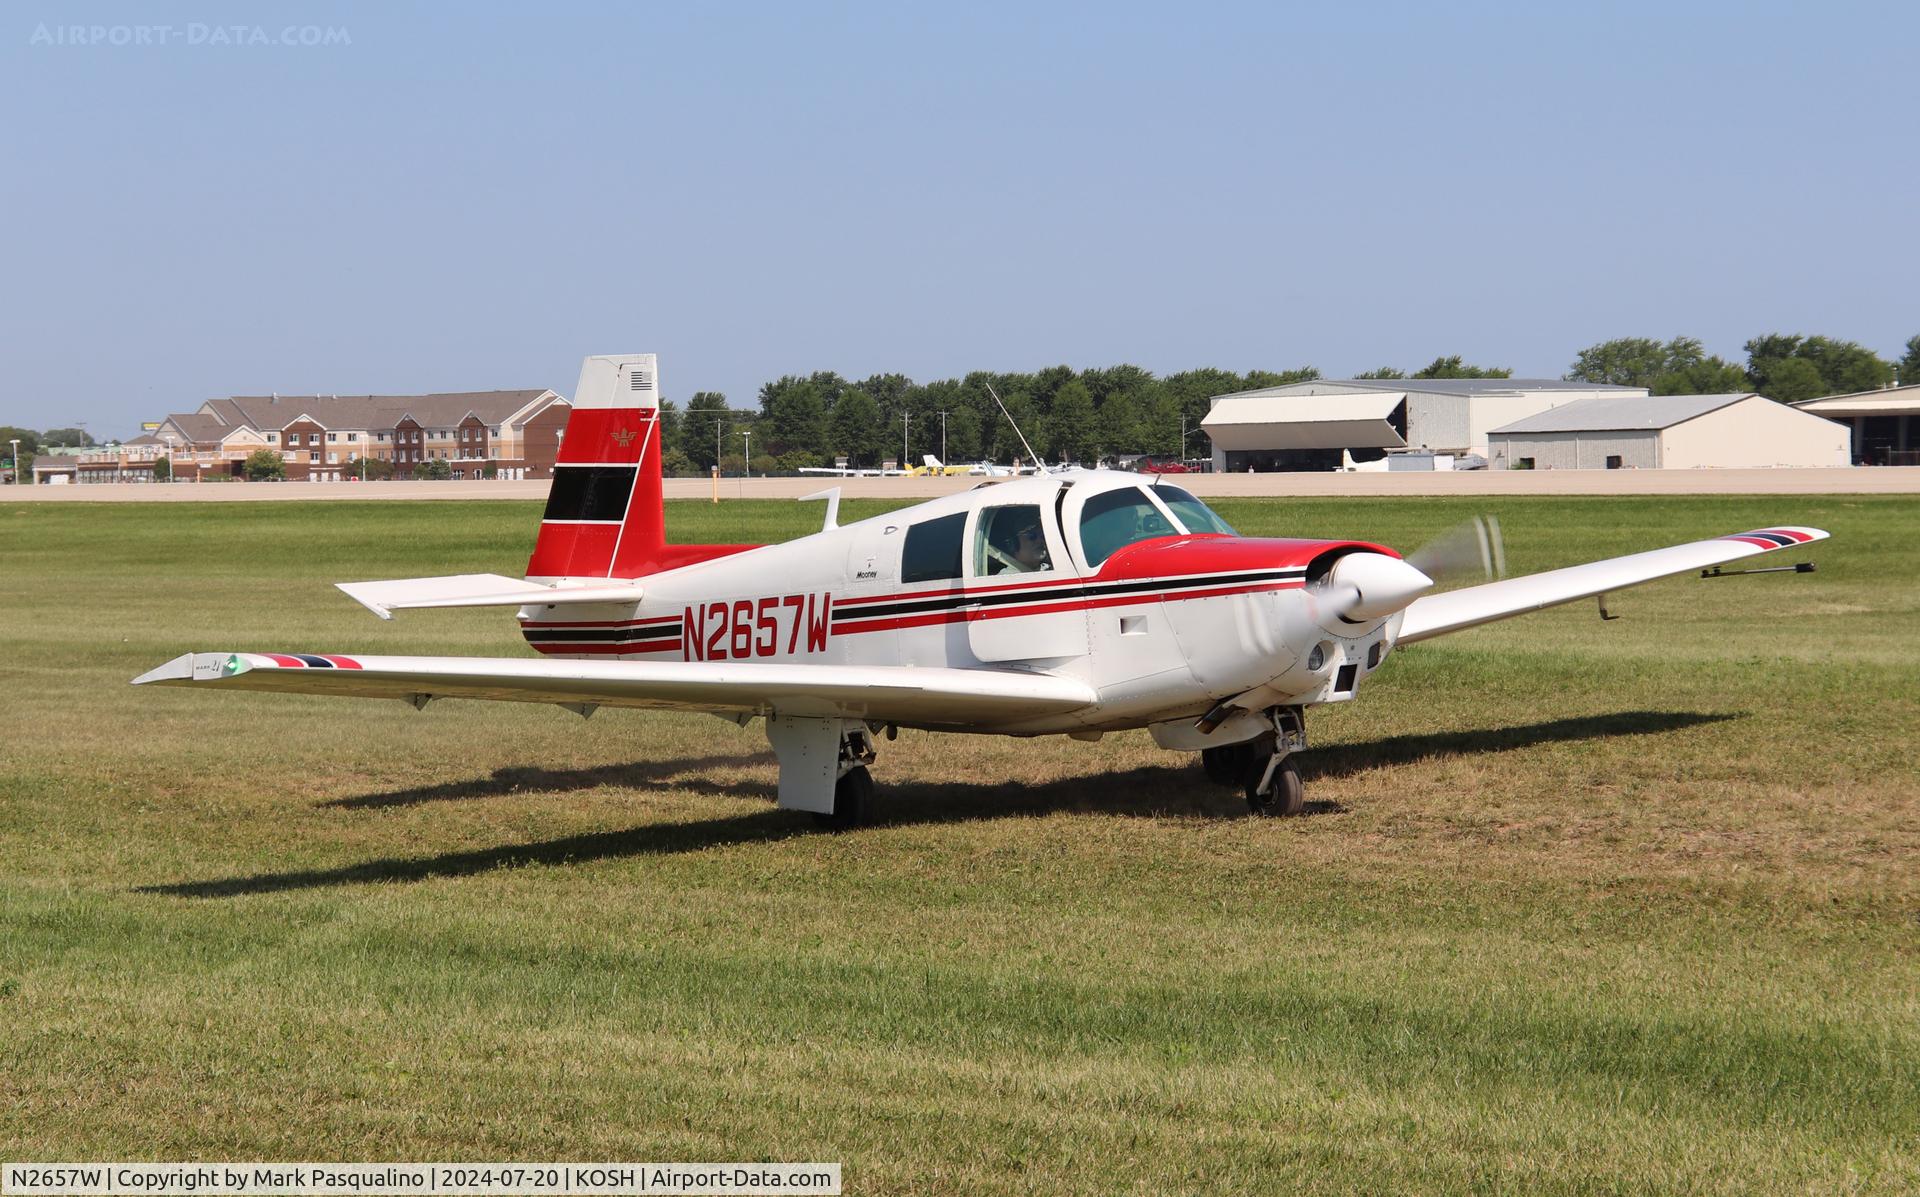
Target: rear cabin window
933 549
1197 516
1114 519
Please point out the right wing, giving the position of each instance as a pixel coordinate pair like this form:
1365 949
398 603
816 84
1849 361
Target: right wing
1438 614
915 695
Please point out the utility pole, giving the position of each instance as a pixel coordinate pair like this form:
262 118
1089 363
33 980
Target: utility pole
943 438
906 419
16 460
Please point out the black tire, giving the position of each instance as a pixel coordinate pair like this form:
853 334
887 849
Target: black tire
852 795
1286 794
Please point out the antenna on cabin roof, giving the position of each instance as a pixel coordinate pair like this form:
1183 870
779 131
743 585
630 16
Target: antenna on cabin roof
1038 465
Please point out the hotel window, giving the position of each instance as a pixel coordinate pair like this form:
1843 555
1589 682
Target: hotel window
273 438
313 455
493 430
333 438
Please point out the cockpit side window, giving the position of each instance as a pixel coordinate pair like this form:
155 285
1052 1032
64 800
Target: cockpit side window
1010 540
1197 516
1113 519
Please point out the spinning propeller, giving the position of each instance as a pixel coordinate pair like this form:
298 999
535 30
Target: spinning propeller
1364 587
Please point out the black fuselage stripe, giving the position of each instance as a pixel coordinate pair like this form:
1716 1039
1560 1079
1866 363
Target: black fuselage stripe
602 635
1051 594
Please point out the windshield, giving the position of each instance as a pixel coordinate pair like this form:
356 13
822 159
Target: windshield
1114 519
1197 516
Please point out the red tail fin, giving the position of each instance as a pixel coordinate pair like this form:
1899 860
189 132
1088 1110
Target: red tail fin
604 516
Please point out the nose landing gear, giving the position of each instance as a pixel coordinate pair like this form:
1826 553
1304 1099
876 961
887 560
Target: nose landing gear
1263 766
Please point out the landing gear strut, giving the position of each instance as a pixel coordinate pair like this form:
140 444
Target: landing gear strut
853 792
1263 766
1272 781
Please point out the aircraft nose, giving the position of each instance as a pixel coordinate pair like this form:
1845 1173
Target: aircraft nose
1368 586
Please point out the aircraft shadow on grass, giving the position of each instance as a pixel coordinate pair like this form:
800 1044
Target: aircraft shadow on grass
1152 791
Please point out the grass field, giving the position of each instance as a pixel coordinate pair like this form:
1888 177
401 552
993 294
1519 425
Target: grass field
1578 907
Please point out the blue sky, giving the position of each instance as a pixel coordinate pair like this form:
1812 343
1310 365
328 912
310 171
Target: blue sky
475 197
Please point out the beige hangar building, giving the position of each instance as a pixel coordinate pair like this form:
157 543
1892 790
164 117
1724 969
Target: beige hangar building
1670 432
1318 425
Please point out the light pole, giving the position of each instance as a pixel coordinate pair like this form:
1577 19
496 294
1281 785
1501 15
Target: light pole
16 460
943 438
746 436
906 421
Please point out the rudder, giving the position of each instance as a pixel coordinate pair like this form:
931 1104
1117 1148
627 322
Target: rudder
604 516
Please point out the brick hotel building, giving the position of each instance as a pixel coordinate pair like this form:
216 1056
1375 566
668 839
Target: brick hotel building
323 438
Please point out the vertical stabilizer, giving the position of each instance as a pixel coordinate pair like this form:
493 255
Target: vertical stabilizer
603 516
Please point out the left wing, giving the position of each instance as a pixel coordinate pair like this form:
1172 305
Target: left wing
1438 614
899 694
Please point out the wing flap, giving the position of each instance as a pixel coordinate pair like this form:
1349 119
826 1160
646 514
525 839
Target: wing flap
1455 610
383 598
899 694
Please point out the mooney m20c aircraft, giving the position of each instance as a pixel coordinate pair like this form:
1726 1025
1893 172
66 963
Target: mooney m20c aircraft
1075 603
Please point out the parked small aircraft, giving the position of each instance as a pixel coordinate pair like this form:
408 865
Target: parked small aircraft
929 467
1075 602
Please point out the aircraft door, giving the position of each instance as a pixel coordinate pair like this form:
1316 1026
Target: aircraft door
873 575
1021 586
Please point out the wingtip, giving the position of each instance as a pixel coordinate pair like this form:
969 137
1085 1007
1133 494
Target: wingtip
180 669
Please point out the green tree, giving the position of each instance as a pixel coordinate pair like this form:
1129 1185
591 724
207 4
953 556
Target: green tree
66 438
373 469
856 428
1791 379
1633 361
1453 367
1260 380
669 424
1909 368
28 438
963 433
1711 376
1071 431
1681 366
162 469
675 464
697 427
1383 372
1119 427
435 470
264 465
794 415
1843 366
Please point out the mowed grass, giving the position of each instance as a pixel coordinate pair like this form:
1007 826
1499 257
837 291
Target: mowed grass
1578 906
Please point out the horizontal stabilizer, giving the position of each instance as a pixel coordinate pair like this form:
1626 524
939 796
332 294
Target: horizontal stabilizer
477 590
1438 614
913 695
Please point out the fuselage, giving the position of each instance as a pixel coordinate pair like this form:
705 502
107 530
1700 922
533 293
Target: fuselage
1136 589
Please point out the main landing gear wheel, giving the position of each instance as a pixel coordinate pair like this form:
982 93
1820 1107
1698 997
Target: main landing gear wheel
852 795
1275 791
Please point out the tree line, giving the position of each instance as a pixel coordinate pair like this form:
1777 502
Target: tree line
1083 416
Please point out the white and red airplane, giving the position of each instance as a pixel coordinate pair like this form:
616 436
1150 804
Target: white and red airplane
1072 603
